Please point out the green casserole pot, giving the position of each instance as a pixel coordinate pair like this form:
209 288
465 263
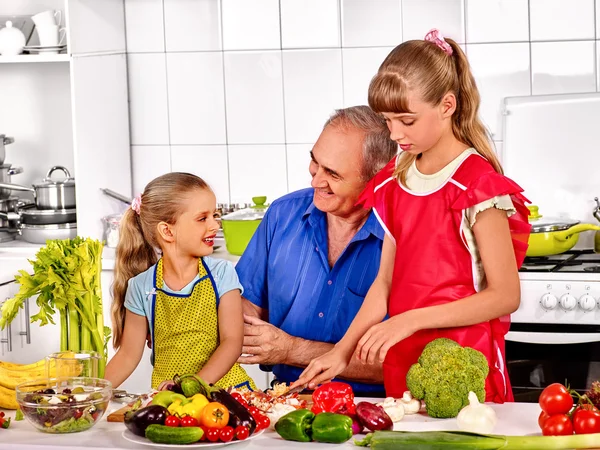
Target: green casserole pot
239 226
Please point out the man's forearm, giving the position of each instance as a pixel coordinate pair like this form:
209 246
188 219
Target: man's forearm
304 351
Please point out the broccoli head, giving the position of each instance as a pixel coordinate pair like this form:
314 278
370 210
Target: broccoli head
444 375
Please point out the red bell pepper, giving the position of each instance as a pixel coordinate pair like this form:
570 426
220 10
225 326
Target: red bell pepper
334 397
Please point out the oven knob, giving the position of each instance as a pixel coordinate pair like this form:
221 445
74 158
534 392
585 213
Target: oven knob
587 302
549 301
568 302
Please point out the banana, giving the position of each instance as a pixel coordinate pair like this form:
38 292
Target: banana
12 378
8 398
26 367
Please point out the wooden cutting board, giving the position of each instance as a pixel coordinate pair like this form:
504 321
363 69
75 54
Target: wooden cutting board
118 415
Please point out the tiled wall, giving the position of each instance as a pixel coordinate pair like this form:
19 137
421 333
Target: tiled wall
237 90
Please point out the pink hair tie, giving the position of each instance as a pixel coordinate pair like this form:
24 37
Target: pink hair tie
437 38
137 203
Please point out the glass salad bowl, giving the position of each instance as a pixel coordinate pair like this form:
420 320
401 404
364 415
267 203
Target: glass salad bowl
64 405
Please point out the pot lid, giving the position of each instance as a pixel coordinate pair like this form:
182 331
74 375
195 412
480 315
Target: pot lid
48 181
255 212
541 224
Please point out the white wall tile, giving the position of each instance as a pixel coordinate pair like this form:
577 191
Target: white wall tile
257 170
563 67
499 147
254 97
367 24
148 162
209 162
148 114
192 25
553 20
310 23
360 65
312 90
251 25
144 26
597 19
497 20
196 98
500 70
598 66
420 16
298 159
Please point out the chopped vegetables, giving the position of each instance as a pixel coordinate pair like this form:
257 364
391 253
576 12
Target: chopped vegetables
476 417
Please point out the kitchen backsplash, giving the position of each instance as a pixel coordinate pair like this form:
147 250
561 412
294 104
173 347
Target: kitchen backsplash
237 91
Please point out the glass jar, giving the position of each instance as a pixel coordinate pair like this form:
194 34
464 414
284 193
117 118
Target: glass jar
111 229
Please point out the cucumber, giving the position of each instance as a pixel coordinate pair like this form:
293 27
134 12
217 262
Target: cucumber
162 434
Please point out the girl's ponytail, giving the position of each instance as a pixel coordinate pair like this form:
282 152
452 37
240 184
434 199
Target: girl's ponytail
466 125
133 256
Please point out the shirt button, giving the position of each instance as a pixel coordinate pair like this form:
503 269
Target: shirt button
321 314
330 282
316 249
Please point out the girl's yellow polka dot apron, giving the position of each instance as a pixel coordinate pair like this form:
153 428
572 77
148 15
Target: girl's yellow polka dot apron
186 331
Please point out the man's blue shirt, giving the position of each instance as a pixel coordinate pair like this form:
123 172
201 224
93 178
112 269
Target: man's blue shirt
285 269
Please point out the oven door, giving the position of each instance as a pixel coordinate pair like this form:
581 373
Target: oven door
538 355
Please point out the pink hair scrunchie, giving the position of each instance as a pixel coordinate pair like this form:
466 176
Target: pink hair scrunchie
137 203
437 38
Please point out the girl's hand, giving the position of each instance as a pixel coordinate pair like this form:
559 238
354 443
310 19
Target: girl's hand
376 342
322 369
165 385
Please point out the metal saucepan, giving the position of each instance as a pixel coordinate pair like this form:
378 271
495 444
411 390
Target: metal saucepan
30 215
597 216
39 234
50 194
553 236
6 170
4 140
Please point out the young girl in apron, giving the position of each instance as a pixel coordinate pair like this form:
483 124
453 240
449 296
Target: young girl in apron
168 286
456 227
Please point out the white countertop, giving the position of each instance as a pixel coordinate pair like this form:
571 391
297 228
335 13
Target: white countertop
513 419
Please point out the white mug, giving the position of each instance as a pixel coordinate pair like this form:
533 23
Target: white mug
51 35
47 18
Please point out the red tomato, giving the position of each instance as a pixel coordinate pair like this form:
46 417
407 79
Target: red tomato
189 421
253 410
558 425
237 396
203 438
241 432
586 406
586 421
263 422
212 434
556 399
226 434
542 419
172 421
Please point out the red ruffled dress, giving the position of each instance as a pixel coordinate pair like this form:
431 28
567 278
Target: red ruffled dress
433 264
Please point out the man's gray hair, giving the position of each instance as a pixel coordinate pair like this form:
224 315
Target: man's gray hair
378 148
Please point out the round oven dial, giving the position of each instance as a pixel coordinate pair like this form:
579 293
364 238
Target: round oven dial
549 301
587 302
568 302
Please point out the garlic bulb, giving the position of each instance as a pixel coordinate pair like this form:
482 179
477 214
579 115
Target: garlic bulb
411 405
476 417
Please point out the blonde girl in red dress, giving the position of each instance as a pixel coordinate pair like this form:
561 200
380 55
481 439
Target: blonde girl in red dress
456 227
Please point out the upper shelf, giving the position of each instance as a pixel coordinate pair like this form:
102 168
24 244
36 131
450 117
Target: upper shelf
39 58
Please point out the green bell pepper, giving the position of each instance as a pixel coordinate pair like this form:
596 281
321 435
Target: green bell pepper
331 428
296 425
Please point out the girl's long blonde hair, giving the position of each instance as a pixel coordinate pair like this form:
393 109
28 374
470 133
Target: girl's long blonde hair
138 242
422 67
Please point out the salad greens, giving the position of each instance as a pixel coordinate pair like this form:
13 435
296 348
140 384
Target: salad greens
66 277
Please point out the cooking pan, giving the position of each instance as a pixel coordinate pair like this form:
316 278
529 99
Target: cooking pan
50 194
39 234
553 236
30 215
4 140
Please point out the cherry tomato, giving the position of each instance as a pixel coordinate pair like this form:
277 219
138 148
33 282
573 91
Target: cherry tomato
212 434
226 434
263 422
254 410
542 418
237 396
586 406
189 421
241 432
556 399
78 414
558 425
172 421
214 415
203 438
586 421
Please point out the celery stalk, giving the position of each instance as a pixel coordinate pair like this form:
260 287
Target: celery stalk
64 330
101 351
74 344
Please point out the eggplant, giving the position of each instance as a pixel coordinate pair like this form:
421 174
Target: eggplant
238 415
373 417
137 421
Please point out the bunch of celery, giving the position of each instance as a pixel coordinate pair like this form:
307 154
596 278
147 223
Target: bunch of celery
66 277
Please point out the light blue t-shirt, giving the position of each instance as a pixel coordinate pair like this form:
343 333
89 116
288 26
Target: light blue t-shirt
140 289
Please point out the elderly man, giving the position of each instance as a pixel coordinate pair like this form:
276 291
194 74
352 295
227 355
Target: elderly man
315 254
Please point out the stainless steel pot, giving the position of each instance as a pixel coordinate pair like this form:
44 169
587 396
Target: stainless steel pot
50 194
597 235
39 234
6 170
4 140
30 215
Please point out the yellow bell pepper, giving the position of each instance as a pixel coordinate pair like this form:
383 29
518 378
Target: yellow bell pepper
175 408
191 409
200 400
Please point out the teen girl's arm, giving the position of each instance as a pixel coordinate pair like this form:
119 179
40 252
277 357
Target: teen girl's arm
130 353
231 336
502 295
372 311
